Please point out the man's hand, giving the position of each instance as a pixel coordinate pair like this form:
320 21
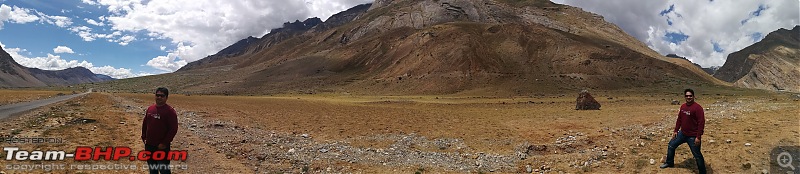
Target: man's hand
162 146
144 141
697 141
674 135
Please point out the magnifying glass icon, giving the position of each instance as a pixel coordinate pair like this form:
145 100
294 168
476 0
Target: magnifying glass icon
785 160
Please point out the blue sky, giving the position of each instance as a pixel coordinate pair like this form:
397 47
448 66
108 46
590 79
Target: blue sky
129 38
37 39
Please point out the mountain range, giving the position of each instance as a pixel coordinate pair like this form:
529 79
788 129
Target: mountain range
434 47
453 47
12 74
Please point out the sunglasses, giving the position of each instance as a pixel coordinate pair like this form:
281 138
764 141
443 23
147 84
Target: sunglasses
161 95
689 95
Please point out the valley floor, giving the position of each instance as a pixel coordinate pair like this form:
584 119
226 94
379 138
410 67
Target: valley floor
405 134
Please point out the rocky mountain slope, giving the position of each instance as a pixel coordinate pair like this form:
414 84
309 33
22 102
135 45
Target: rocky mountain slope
710 70
772 63
12 74
434 47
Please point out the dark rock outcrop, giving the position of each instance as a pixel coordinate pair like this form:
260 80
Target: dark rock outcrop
585 101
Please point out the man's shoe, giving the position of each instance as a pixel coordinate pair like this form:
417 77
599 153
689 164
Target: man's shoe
665 165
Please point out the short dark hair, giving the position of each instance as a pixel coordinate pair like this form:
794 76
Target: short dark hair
166 91
688 90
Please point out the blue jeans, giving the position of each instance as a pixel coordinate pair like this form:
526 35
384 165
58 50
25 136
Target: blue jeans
680 139
160 166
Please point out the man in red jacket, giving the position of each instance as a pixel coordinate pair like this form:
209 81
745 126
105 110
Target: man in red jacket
158 129
689 130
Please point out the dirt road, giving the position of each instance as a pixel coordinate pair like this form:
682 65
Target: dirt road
8 110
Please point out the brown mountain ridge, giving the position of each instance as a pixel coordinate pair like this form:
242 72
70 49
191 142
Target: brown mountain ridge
771 64
434 47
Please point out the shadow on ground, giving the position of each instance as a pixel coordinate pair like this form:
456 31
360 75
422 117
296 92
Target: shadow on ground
691 164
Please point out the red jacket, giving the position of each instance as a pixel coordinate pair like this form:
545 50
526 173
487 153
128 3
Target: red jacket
160 125
691 120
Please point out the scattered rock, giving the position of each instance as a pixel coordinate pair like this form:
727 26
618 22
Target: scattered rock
323 150
545 167
728 141
83 121
747 144
676 102
746 165
764 171
652 161
585 101
711 141
304 135
532 149
291 150
528 168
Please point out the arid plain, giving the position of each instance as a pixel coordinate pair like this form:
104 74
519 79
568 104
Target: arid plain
334 133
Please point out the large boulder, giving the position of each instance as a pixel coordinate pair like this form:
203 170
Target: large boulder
585 101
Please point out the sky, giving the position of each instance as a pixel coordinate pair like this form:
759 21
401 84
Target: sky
703 31
130 38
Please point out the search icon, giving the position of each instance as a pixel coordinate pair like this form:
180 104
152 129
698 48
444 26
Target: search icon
785 160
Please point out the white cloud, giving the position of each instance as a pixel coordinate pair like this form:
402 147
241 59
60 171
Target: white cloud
124 40
90 2
55 62
170 62
87 35
705 22
62 49
201 28
60 21
16 15
84 32
162 47
93 22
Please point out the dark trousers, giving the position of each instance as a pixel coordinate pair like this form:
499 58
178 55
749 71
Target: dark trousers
680 139
154 166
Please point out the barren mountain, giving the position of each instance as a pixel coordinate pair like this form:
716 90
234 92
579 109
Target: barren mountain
435 47
710 70
12 74
772 63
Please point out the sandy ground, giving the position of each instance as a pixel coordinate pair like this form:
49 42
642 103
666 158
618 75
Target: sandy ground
439 134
